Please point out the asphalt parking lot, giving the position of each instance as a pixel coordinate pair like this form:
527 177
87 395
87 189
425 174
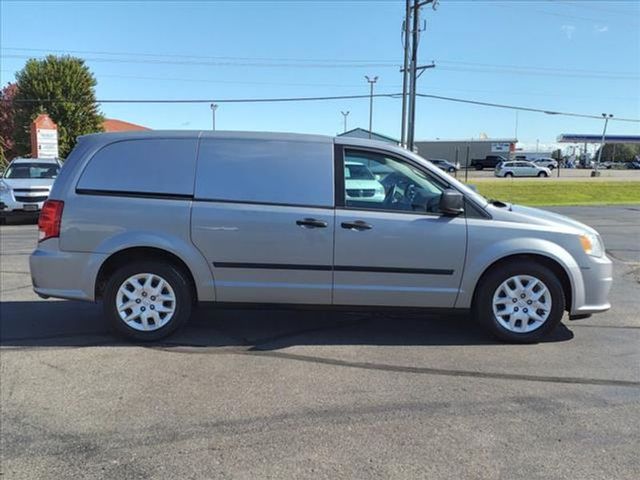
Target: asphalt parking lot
295 394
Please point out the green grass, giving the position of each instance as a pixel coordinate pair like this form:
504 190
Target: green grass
546 192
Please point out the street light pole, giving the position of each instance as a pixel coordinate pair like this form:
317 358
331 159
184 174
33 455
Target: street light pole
345 115
214 107
371 81
606 117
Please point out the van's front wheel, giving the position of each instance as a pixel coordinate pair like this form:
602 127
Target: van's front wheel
147 301
520 302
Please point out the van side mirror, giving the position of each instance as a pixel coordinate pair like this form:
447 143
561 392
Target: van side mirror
451 202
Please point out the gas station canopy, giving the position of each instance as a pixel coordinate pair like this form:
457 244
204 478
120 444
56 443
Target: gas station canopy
577 138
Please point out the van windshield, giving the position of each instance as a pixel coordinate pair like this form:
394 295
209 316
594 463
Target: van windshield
32 170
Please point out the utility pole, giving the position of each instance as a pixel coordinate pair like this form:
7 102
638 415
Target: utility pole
405 71
413 70
345 115
371 83
606 117
413 75
214 107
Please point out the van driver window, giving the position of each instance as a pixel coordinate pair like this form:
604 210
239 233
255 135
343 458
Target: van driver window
376 181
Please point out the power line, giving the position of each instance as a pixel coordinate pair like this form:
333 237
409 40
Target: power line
327 98
354 86
522 109
538 69
216 100
226 63
264 62
201 57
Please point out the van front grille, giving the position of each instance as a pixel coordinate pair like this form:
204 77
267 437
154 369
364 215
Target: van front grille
23 199
360 193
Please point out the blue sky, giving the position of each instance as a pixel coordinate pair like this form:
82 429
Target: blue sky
579 56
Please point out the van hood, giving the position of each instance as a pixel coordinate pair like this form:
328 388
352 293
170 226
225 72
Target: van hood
537 216
363 184
28 182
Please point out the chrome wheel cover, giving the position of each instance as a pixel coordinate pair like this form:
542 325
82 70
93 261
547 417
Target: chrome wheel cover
522 304
145 302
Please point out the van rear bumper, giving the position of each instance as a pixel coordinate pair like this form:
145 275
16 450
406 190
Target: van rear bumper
70 275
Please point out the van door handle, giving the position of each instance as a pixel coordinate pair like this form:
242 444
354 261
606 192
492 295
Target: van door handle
358 225
311 223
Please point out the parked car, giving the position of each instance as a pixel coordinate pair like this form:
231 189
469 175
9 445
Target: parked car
521 169
153 223
361 184
490 161
25 186
634 165
445 165
549 163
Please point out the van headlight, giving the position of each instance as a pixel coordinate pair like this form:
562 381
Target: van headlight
591 244
4 188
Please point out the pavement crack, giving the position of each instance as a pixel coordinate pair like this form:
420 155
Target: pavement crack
15 289
631 327
449 372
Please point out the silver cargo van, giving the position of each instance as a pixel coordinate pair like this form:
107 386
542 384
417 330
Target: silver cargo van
151 223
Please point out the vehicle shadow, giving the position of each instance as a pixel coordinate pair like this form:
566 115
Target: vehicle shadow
78 324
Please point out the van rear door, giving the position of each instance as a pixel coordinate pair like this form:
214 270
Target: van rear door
263 217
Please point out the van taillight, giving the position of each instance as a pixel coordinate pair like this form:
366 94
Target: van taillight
50 218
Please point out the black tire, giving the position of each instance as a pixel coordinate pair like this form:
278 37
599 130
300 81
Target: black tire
173 275
508 174
542 174
491 281
479 167
452 170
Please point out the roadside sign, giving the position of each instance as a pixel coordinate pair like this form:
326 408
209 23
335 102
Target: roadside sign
500 147
47 141
44 137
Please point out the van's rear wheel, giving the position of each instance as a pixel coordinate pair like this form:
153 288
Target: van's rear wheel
147 301
520 302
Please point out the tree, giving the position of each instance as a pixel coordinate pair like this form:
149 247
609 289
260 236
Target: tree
557 154
620 152
7 124
67 87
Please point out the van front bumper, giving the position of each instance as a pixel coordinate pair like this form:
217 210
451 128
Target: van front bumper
9 206
70 275
597 278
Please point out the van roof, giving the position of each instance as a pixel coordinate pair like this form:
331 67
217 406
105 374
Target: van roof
104 138
114 136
